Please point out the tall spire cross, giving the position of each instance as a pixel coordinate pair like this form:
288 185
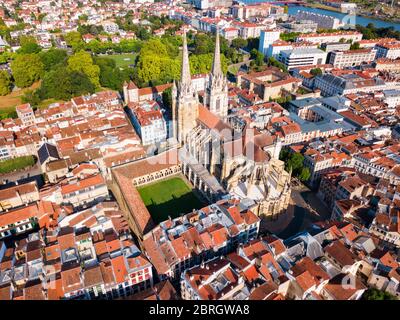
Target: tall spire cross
216 67
185 68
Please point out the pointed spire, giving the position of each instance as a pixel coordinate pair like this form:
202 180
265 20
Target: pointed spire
216 67
185 69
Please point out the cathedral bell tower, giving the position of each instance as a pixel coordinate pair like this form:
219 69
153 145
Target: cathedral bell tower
185 101
217 85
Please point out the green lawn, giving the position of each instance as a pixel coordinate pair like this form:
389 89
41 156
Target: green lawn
7 166
170 197
123 60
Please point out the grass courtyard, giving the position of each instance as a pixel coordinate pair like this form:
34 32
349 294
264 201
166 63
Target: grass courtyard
170 197
7 166
123 60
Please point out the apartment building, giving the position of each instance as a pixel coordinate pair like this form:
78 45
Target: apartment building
389 50
301 57
148 121
18 195
84 192
323 21
25 113
335 46
351 58
342 82
267 38
340 36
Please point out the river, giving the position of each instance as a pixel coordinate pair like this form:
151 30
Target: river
358 19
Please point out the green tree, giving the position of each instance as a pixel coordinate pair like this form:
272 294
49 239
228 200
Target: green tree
257 56
110 76
253 43
294 162
275 63
63 84
52 57
239 43
375 294
74 40
155 64
355 46
26 69
316 71
154 46
82 62
203 43
32 97
142 33
304 174
289 36
5 83
28 44
202 63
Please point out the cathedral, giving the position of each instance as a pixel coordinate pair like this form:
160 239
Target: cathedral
246 163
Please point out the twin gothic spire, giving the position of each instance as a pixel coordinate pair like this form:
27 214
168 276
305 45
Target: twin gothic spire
185 68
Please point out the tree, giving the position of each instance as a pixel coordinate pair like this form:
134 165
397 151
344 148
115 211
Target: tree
257 56
239 43
26 69
289 36
52 57
202 63
355 46
375 294
74 40
110 76
142 33
275 63
203 44
32 97
153 68
28 44
63 84
295 162
82 62
304 174
316 71
253 43
155 64
5 83
154 46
